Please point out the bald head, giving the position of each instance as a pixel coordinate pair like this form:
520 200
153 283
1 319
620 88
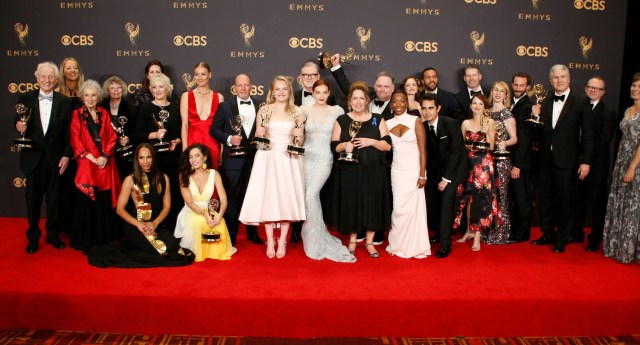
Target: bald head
243 86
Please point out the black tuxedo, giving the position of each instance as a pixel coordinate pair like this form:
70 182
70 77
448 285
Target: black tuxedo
449 105
594 190
520 188
41 164
340 78
446 158
464 101
235 170
387 113
562 150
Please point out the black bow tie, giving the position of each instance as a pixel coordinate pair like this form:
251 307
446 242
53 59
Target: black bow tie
306 93
245 102
378 103
43 97
558 98
473 93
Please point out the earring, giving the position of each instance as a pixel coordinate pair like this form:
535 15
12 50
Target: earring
193 168
204 165
348 108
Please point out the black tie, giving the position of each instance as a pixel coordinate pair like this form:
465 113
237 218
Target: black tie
378 103
43 97
558 98
245 102
306 93
432 131
473 93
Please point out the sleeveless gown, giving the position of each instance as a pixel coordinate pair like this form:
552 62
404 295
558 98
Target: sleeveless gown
198 131
191 225
276 188
318 242
409 236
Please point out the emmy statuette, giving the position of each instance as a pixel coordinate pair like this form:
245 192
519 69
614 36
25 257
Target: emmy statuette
123 151
351 157
263 143
324 58
22 143
236 126
541 94
295 149
212 235
163 115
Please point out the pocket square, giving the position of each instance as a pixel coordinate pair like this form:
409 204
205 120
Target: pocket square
445 137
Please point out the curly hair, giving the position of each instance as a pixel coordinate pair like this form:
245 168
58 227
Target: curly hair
185 170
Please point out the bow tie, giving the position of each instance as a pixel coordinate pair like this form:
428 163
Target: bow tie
473 93
245 102
558 98
43 97
378 103
306 93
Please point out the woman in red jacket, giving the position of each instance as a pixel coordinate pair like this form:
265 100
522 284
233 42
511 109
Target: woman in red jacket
93 140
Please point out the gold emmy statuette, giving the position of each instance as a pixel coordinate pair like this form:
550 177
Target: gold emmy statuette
295 149
481 145
212 235
236 126
351 157
126 150
501 133
22 143
541 94
324 58
143 214
163 115
263 143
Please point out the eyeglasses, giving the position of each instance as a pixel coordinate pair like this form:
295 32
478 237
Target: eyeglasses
310 75
593 88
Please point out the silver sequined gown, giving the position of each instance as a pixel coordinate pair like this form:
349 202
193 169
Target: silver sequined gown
318 242
500 234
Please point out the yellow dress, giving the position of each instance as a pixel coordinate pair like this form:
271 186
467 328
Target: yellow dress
191 225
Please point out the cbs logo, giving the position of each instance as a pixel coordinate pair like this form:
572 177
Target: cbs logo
593 5
77 40
255 90
131 88
491 2
190 41
22 87
534 51
19 182
305 42
421 46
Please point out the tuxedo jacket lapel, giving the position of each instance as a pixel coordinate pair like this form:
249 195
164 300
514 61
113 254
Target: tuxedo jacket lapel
35 116
567 105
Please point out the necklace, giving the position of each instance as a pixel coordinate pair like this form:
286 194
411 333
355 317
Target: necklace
203 92
115 106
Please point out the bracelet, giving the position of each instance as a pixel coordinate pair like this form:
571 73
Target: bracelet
422 177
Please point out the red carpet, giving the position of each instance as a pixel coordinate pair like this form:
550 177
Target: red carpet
516 290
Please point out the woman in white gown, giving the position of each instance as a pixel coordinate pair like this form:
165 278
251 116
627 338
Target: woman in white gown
318 242
409 236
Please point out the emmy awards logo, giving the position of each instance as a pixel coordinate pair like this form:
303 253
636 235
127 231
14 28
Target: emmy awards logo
247 33
477 40
22 32
364 36
188 83
536 4
586 45
133 31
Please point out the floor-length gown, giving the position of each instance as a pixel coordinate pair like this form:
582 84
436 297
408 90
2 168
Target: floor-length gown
135 251
318 242
198 131
479 190
276 187
621 239
501 233
409 236
191 225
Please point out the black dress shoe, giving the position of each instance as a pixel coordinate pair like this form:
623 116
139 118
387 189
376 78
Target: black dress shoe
295 237
434 240
592 246
558 248
32 247
255 238
542 241
56 243
443 252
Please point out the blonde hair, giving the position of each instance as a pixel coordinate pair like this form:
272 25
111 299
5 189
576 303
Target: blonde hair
162 79
114 80
507 97
289 108
61 82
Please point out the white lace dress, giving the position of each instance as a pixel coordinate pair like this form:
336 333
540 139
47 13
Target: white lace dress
318 242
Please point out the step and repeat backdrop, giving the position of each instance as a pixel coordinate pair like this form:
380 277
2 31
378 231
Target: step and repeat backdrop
271 37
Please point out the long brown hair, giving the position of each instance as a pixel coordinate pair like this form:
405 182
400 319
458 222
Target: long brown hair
185 169
155 176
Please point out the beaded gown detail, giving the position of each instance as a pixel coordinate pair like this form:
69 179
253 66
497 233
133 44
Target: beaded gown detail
621 239
318 242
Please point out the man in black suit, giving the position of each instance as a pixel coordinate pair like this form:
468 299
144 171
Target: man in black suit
565 150
521 160
448 103
381 95
472 78
446 169
48 128
594 190
236 170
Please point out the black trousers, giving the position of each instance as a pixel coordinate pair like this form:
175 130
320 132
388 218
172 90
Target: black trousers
43 184
235 184
441 209
520 210
557 195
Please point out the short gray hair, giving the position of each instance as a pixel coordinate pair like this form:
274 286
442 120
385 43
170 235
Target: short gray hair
557 68
114 79
91 84
46 64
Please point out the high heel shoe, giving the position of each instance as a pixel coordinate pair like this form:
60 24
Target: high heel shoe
271 250
467 236
374 254
282 249
354 244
